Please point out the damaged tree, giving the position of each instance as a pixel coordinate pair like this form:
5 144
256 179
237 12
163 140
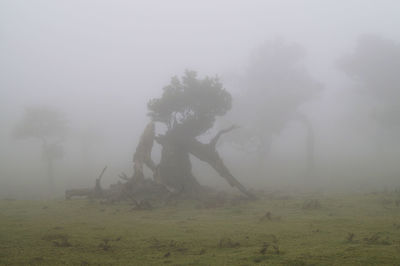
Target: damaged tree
188 108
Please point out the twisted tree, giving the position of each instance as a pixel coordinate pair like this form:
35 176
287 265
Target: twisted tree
188 108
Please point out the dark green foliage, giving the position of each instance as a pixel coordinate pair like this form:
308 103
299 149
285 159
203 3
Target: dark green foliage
192 102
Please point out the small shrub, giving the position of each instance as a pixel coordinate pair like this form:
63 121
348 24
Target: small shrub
58 240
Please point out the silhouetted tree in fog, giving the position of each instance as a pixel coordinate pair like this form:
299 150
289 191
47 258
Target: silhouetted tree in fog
375 67
188 108
48 126
276 84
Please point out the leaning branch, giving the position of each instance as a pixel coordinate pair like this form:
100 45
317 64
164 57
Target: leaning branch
102 173
214 140
207 153
123 176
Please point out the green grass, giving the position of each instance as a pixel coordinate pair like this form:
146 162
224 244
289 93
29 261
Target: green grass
84 232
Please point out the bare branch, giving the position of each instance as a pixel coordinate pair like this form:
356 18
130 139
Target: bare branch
123 176
102 173
208 154
214 140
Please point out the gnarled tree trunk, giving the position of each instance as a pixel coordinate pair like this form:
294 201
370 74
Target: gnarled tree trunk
175 169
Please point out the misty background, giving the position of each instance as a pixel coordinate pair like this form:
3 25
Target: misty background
99 62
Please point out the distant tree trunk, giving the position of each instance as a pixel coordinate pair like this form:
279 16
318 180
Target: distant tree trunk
263 151
310 142
47 156
50 171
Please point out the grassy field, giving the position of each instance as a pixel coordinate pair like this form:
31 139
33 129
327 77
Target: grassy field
278 229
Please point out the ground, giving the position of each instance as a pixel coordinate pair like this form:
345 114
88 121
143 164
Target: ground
277 229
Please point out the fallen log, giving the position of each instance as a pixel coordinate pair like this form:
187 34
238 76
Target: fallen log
95 192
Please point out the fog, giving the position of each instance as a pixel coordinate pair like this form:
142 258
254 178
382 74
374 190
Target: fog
334 64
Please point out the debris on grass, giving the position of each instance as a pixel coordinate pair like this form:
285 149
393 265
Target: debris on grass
105 244
264 248
269 217
168 245
37 261
226 242
142 205
271 242
376 239
311 204
58 240
350 237
166 255
259 259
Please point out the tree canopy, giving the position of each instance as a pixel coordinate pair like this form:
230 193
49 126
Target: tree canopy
189 107
41 123
375 66
47 125
276 83
191 103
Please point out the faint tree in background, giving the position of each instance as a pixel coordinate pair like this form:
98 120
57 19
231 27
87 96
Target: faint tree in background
276 83
47 125
375 66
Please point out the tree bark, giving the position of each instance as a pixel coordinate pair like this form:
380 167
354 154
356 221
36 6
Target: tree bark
175 168
142 154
